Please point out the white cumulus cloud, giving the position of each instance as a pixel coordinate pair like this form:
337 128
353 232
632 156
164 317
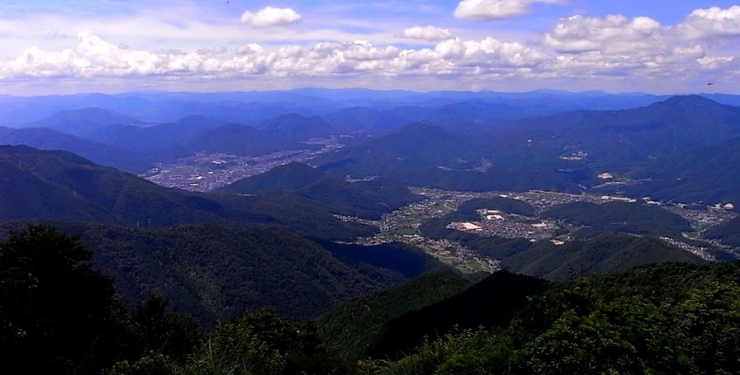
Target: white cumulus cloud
95 57
428 32
270 16
249 49
713 22
618 46
612 34
486 10
640 52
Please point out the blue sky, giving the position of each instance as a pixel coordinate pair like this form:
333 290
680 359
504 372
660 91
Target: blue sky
656 46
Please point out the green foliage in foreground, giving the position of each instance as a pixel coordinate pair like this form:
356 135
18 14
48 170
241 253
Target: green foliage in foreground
668 318
58 316
357 325
570 333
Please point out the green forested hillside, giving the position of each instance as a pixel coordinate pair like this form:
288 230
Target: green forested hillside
158 141
661 319
219 272
491 302
426 155
58 315
561 152
707 174
668 318
621 217
416 146
63 186
356 326
602 254
619 139
728 233
25 195
674 318
365 199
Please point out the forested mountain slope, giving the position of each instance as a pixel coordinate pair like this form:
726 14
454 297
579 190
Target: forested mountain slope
366 199
72 188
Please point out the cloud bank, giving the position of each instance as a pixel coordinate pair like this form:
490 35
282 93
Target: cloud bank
270 16
486 10
429 33
640 52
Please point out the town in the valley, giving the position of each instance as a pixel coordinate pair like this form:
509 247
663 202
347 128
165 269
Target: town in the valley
206 172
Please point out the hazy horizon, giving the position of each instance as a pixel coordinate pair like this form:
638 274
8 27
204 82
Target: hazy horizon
337 89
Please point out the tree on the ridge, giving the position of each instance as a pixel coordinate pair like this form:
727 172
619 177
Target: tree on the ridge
57 314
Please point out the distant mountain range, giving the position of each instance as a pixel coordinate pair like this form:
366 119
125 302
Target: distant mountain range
254 107
619 139
522 135
426 155
562 152
135 148
49 139
83 122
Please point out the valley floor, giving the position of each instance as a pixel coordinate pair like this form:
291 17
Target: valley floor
403 225
206 172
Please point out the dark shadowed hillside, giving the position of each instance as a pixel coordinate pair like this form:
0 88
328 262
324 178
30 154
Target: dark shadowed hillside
427 155
357 325
216 272
491 302
415 146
